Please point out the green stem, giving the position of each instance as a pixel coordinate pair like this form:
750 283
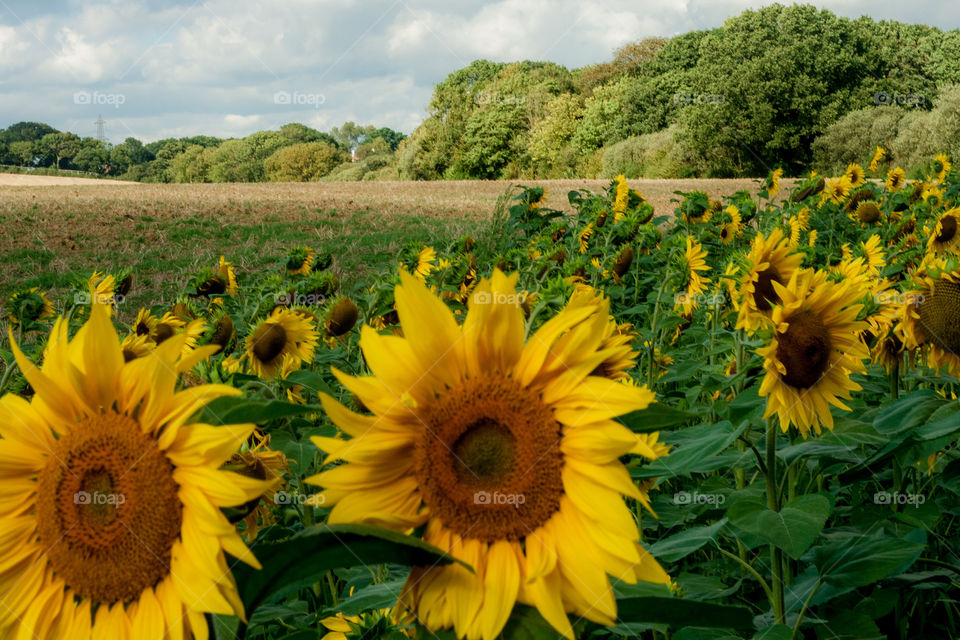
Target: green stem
895 381
806 604
776 559
756 574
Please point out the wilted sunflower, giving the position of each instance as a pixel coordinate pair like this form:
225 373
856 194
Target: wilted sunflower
692 284
28 306
504 451
929 314
896 178
941 167
770 261
877 157
854 175
814 348
111 517
945 237
283 333
300 261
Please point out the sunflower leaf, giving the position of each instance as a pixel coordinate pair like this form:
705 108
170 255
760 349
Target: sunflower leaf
305 558
908 412
239 410
793 528
679 612
656 417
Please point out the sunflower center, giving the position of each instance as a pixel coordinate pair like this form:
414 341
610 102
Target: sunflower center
270 343
804 350
938 316
764 294
489 461
107 509
164 331
948 229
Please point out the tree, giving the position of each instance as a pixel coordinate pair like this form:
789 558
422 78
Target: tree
352 135
24 152
26 131
303 162
93 156
388 135
60 146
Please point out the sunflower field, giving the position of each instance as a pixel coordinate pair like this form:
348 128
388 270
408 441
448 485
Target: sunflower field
735 419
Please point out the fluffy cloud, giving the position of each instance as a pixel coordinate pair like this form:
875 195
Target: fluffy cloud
158 68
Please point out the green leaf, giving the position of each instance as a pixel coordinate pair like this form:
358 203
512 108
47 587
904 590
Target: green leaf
908 412
679 613
372 597
696 446
793 528
686 542
304 558
312 382
240 409
942 422
526 623
656 417
776 632
858 560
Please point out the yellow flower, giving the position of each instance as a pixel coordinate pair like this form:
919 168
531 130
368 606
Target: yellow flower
836 189
228 274
622 198
300 261
585 237
813 238
770 261
425 263
928 315
854 175
29 306
774 185
945 238
732 229
503 452
941 167
112 513
283 334
877 157
896 178
814 349
692 283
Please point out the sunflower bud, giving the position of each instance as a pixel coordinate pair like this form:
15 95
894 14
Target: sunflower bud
342 317
223 333
623 262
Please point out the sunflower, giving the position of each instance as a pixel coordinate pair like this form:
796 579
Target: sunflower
945 237
621 199
228 274
814 348
868 212
887 351
300 261
100 287
873 252
28 306
342 317
425 263
283 333
836 189
773 182
813 238
111 507
504 453
260 462
769 262
732 229
941 167
585 237
877 157
929 314
693 284
803 217
135 346
854 175
145 324
896 178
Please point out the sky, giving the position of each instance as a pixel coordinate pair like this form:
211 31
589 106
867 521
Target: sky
168 68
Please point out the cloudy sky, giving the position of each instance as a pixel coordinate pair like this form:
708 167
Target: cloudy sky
160 68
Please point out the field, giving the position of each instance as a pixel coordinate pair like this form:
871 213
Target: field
583 410
58 230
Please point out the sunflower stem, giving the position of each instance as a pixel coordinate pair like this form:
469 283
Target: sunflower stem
753 572
803 611
653 327
895 380
773 503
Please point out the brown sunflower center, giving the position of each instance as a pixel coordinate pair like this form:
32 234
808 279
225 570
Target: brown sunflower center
948 229
107 509
270 343
804 350
938 316
763 292
489 461
164 331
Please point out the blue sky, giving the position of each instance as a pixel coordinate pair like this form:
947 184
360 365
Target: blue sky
160 68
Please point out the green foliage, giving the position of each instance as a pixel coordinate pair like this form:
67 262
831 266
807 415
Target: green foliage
303 162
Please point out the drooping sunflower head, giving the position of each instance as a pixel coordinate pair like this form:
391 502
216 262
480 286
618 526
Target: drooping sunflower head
732 226
946 235
941 167
283 333
773 182
770 261
873 254
426 260
621 199
300 261
501 449
584 238
854 175
227 273
814 348
28 307
114 524
692 284
877 157
341 317
896 178
868 212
